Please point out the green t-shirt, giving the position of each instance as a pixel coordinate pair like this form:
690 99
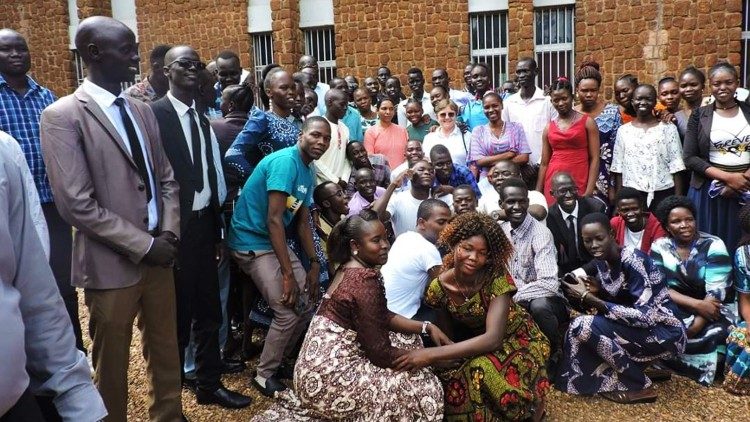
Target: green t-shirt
418 132
281 171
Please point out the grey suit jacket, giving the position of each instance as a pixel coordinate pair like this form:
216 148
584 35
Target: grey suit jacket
98 191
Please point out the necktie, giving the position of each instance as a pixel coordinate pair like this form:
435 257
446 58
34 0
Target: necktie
197 161
572 229
135 146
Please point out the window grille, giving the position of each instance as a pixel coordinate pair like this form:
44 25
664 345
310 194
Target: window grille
489 43
554 36
262 56
321 44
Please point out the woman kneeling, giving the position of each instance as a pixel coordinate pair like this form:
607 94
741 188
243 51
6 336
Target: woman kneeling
633 321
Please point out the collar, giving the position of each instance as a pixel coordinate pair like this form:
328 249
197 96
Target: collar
565 214
524 227
538 95
236 115
439 132
33 86
101 96
178 105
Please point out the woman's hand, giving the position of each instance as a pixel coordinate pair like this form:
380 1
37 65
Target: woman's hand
573 290
709 308
591 284
414 359
737 181
438 336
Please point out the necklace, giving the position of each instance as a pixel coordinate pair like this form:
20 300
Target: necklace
736 104
500 131
460 290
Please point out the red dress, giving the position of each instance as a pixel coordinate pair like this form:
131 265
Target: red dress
570 153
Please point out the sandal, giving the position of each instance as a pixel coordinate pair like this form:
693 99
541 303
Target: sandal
631 397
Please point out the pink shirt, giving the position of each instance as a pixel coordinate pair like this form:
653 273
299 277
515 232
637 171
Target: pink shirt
389 141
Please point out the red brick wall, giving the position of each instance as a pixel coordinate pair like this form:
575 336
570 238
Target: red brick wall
209 26
44 24
287 38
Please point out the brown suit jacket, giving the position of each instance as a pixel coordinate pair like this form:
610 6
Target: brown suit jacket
98 191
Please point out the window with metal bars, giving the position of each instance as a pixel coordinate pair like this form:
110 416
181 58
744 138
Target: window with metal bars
554 38
745 37
321 44
489 43
262 56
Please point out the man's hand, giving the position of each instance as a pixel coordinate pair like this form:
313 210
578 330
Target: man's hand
343 184
442 190
163 251
290 292
313 282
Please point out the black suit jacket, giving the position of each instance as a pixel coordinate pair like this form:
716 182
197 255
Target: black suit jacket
698 141
568 256
175 145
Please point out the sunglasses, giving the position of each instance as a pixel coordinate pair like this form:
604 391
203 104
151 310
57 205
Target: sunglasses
447 115
187 64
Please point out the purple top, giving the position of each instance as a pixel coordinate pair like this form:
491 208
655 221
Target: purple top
358 203
485 144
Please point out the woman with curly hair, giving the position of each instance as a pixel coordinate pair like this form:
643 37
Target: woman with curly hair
498 370
629 320
698 271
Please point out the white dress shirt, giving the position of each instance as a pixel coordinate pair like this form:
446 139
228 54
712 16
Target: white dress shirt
534 115
574 213
106 101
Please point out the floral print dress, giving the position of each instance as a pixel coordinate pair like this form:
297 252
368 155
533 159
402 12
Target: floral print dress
608 121
506 384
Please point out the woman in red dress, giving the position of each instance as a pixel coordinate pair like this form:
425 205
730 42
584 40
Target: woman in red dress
570 143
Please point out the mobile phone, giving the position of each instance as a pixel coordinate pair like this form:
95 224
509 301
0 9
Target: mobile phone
570 278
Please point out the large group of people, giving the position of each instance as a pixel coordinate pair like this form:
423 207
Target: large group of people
448 255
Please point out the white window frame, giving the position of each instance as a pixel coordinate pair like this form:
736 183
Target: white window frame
488 54
745 42
559 49
318 41
262 45
80 67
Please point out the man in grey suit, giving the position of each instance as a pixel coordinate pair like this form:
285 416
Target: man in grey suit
113 183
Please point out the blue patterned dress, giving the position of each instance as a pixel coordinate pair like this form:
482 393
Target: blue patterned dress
608 352
263 134
608 121
737 375
706 273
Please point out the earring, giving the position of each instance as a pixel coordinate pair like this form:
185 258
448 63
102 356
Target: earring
355 253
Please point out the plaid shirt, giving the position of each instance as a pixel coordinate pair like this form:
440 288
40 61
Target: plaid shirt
461 175
19 117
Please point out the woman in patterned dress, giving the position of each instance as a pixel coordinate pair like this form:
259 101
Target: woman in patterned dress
347 366
698 271
632 323
607 118
499 371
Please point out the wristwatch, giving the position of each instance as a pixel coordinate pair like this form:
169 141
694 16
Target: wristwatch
424 326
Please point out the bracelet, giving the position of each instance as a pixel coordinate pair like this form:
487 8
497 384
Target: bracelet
583 296
424 326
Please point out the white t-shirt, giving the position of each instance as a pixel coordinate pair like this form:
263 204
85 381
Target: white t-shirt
490 201
405 274
456 143
403 209
730 139
633 239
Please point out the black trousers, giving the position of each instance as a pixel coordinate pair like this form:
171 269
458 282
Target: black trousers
61 247
198 304
26 409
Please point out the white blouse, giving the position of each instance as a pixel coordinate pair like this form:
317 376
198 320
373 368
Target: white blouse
457 144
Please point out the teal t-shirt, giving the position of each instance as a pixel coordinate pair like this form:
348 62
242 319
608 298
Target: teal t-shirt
281 171
418 132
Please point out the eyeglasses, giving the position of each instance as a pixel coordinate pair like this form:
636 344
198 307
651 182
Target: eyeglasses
447 115
187 64
564 191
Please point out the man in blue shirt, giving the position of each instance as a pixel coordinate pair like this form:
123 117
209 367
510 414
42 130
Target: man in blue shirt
352 119
473 112
21 103
276 197
451 175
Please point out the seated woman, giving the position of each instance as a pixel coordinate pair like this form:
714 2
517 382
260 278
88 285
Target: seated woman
633 323
697 269
737 375
500 372
345 368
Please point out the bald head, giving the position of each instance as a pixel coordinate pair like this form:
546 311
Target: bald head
180 51
308 61
108 48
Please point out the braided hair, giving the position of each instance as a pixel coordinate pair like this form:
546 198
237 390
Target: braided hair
589 69
471 224
561 83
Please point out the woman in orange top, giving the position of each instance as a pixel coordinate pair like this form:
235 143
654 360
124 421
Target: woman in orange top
385 137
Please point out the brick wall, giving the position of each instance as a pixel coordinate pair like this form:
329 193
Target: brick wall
209 26
44 24
650 38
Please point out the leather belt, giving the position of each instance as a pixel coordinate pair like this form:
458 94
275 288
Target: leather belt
200 213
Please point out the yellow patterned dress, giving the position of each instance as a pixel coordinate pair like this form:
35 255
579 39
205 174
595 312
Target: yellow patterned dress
506 384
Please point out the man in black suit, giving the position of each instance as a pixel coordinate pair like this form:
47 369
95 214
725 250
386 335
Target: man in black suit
193 151
564 221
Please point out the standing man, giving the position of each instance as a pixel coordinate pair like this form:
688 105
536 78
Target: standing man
155 85
352 119
311 64
473 113
113 183
21 103
440 78
416 84
333 165
373 88
276 198
529 107
192 149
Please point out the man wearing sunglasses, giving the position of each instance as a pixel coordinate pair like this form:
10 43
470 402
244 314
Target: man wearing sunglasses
193 151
